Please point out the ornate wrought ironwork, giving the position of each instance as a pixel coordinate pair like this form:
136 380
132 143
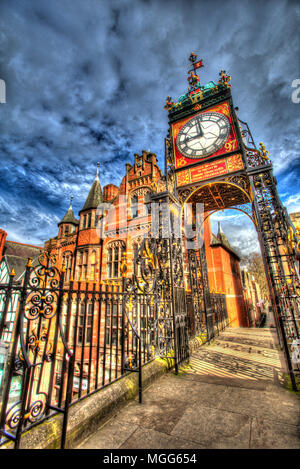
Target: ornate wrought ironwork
274 228
255 187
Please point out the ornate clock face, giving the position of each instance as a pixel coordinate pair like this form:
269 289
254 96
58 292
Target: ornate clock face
203 135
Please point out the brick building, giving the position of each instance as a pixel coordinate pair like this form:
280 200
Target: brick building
224 274
89 256
112 221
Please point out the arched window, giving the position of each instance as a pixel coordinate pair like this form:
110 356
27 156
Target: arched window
114 259
147 203
134 206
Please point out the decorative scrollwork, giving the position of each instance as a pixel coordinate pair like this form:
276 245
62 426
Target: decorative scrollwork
257 157
35 411
35 343
40 303
13 416
241 180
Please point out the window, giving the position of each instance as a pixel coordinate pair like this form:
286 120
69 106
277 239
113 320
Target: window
84 221
97 219
134 206
113 329
87 316
114 259
82 265
116 262
89 220
147 205
81 324
89 323
66 229
109 263
93 265
67 262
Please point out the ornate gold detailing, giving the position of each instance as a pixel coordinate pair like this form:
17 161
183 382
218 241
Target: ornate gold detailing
263 152
169 103
293 243
124 266
224 79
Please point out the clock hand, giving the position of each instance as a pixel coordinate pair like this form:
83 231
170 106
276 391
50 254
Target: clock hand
200 131
188 139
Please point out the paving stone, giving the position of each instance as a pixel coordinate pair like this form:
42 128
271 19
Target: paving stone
111 436
151 439
159 414
222 398
268 434
214 428
261 404
180 390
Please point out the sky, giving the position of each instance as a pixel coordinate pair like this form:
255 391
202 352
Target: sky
86 81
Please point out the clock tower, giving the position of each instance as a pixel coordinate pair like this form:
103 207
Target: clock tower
204 133
211 158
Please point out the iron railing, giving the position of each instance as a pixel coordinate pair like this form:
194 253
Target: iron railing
71 339
198 322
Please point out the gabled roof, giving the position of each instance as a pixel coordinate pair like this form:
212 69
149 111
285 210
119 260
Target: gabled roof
16 256
95 196
13 248
221 240
69 216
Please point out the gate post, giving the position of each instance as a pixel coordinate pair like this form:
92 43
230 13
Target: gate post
269 211
168 236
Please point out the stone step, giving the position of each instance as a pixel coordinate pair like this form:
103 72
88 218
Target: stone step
218 363
252 357
251 330
248 341
247 348
250 337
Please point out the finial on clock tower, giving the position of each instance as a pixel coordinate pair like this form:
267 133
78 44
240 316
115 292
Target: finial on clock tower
196 63
193 78
224 79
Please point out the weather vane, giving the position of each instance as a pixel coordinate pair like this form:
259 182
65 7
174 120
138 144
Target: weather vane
193 78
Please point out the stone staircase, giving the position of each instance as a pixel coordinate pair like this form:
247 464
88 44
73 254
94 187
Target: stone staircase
242 354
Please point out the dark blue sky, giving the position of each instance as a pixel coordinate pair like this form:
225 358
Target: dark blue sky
87 81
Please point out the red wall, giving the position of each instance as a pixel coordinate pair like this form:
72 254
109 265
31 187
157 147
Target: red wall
224 276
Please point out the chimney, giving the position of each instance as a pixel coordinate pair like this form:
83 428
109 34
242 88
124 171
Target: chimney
109 192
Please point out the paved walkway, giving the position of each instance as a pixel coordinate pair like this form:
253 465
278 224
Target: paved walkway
229 396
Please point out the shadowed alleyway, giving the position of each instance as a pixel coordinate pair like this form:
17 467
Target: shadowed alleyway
230 395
